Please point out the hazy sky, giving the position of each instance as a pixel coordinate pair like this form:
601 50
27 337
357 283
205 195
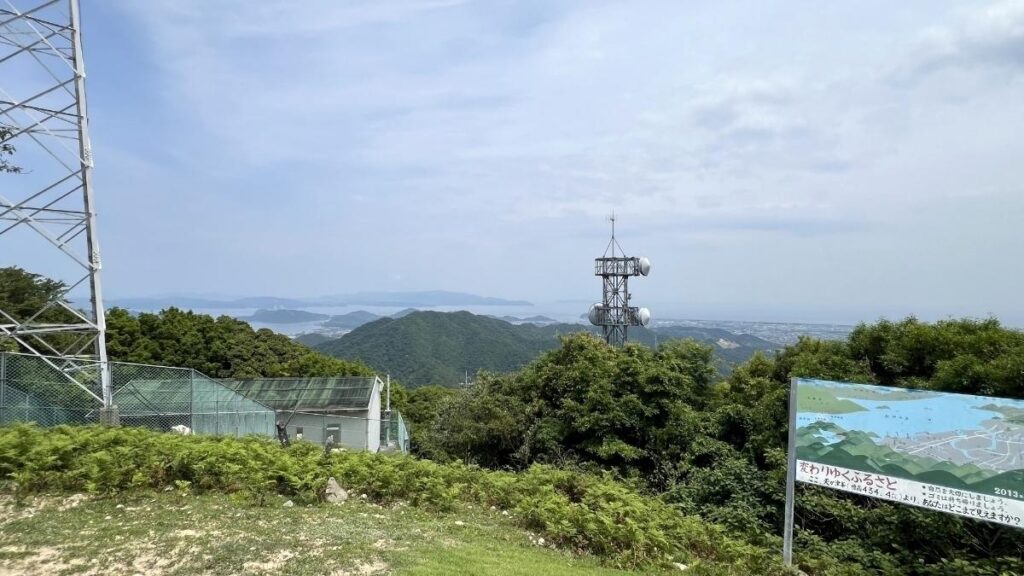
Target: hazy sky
806 160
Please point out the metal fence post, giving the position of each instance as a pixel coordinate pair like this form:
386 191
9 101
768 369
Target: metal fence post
3 387
787 533
192 399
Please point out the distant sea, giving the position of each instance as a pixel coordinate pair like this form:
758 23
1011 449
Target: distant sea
563 312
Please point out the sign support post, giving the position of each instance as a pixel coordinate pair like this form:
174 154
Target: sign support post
787 532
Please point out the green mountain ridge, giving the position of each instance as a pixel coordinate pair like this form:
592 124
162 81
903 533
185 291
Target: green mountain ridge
351 320
427 347
312 339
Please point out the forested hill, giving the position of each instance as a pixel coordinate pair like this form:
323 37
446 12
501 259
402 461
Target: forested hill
424 348
221 347
439 347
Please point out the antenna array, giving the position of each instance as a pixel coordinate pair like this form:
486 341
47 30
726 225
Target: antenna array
614 313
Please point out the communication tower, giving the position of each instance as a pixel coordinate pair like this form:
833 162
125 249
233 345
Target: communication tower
47 209
614 314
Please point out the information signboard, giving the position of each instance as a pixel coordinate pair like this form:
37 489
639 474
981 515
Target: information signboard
954 453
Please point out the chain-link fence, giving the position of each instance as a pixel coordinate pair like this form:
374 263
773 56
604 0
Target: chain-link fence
342 412
394 435
47 391
165 398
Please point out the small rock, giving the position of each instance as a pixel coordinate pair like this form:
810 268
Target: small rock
289 504
119 506
504 512
362 496
335 494
680 565
494 508
540 541
168 488
108 518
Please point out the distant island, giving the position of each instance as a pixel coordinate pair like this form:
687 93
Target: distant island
350 320
426 298
403 299
284 316
531 319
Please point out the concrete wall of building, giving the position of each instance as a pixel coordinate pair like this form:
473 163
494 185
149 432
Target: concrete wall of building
355 430
350 431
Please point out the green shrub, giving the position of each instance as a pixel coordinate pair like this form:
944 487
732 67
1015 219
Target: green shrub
582 512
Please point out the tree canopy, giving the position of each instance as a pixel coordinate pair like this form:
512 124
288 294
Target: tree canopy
24 294
718 447
222 347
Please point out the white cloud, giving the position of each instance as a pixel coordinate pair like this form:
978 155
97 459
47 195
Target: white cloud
738 128
991 36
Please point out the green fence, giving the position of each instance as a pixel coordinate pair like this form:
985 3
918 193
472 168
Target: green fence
194 401
394 435
344 411
46 391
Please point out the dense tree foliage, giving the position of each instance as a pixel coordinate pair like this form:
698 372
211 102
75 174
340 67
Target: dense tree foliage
221 347
717 448
23 295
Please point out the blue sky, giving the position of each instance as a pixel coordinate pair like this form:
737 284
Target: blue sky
782 160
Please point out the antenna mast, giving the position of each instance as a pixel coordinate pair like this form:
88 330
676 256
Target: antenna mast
49 208
614 314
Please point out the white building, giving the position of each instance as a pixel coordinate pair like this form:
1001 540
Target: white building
348 409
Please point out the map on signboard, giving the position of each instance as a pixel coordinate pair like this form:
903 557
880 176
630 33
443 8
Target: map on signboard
957 453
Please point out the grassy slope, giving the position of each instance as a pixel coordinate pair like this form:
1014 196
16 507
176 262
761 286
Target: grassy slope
171 533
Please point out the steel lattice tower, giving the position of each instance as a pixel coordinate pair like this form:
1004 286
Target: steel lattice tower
614 314
43 112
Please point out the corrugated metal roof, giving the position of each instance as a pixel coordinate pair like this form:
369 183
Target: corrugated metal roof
319 393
